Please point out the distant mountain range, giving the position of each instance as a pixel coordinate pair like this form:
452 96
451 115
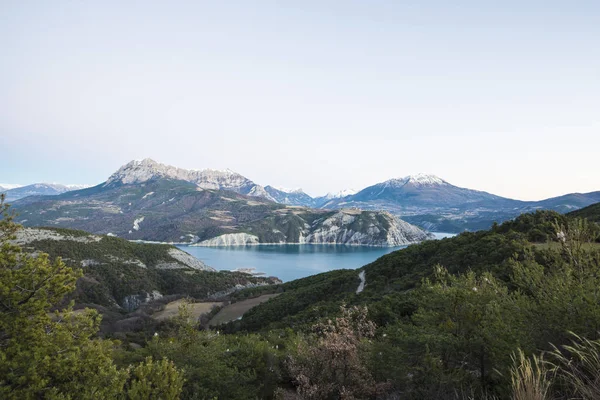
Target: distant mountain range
434 204
145 200
424 200
37 189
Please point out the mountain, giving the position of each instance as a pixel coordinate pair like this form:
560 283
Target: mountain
292 197
425 200
436 205
414 192
592 213
322 200
567 202
149 201
38 189
9 186
297 197
148 169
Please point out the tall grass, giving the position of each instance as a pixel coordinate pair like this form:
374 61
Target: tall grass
530 378
579 366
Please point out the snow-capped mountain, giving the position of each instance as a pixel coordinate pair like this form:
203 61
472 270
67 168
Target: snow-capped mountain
39 189
322 201
292 197
425 200
151 201
75 186
420 190
145 170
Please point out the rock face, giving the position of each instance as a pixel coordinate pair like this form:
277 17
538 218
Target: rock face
189 260
134 301
347 227
365 228
230 239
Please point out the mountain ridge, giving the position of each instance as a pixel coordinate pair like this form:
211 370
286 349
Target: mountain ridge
145 205
422 199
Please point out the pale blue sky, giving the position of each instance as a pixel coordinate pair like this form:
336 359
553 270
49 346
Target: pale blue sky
323 95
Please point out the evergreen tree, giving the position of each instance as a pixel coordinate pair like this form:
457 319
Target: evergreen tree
54 354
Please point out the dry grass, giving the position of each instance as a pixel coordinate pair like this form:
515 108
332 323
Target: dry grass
236 310
579 366
196 309
530 378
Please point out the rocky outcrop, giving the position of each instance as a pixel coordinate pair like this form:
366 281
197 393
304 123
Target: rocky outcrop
230 239
147 169
354 227
28 235
347 227
134 301
188 260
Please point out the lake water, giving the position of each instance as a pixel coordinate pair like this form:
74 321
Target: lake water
289 262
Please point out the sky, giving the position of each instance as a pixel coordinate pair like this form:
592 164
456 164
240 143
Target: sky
323 95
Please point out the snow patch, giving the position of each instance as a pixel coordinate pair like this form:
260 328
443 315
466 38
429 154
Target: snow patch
136 223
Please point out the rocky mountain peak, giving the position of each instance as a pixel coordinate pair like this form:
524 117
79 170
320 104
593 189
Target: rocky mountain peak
338 195
415 180
287 190
139 171
425 179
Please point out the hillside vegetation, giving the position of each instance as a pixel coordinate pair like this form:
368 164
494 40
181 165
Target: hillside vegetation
592 213
474 316
122 275
305 300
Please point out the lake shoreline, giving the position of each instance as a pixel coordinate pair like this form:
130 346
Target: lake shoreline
438 236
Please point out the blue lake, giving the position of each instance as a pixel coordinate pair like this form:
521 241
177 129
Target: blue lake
289 262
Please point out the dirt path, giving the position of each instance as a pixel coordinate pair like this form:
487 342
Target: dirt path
361 285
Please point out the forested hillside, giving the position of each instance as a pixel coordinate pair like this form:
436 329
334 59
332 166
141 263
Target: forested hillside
592 213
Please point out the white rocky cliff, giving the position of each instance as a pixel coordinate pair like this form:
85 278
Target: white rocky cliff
345 227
